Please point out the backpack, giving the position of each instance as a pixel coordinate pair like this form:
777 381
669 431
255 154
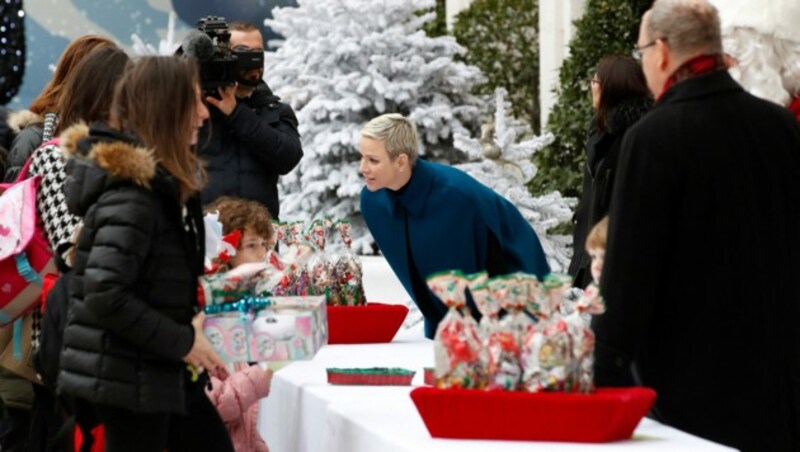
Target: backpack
79 418
47 358
25 255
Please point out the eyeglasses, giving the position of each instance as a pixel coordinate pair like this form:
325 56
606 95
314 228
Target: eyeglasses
593 81
638 51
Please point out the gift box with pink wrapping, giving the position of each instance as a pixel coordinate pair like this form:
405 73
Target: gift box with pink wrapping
267 328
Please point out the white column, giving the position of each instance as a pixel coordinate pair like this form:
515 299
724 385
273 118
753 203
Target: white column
556 28
453 7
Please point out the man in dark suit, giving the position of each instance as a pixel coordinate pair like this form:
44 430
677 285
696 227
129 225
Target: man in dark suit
701 270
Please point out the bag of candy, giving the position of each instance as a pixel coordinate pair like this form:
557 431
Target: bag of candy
457 345
348 273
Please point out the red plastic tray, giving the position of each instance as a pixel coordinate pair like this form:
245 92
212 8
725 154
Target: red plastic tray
383 377
428 376
371 323
608 414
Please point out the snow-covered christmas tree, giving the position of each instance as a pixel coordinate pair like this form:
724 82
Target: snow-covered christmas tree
503 164
344 62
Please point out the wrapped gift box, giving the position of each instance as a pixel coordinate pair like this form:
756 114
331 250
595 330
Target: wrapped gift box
371 323
608 414
287 329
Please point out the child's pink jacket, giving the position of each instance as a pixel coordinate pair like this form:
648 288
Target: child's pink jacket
236 399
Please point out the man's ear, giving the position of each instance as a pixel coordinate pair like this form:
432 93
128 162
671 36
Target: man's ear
663 54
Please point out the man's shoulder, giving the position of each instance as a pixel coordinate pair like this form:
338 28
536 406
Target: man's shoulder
710 113
270 108
263 97
768 112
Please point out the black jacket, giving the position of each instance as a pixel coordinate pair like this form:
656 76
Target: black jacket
250 148
602 152
6 136
134 281
701 270
27 127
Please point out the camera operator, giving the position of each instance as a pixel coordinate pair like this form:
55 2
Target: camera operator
253 137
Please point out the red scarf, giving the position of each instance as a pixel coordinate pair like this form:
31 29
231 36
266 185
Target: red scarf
794 107
699 65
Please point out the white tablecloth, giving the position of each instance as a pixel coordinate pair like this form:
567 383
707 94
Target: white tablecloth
303 413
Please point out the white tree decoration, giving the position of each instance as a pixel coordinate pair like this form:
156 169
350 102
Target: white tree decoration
504 165
344 62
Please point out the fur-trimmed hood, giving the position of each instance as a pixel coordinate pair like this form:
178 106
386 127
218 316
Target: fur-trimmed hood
101 158
19 120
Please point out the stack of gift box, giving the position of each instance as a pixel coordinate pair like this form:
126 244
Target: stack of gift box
277 310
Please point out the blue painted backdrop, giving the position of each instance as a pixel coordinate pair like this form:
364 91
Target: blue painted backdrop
51 24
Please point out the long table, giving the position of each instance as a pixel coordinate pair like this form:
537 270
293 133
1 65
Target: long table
303 413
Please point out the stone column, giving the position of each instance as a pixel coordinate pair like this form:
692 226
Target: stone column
556 28
453 7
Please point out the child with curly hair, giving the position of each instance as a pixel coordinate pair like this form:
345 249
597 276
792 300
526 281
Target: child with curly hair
248 225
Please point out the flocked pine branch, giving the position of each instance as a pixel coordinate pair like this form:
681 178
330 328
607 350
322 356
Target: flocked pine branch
503 164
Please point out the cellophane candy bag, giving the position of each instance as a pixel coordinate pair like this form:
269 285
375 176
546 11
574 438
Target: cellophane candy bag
348 273
286 275
457 345
548 357
503 345
319 267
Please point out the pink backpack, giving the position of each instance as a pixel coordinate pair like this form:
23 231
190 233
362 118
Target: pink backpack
25 255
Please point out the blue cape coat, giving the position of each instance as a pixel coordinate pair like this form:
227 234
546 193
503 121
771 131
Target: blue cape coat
450 215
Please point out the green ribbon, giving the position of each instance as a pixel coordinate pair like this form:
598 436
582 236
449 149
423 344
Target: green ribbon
244 305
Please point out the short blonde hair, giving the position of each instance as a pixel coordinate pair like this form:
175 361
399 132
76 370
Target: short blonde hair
597 236
398 133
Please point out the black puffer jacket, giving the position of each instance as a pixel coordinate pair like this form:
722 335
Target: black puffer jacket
249 149
602 151
31 131
133 288
6 136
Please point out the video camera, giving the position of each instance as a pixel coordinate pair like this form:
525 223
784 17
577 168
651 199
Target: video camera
220 65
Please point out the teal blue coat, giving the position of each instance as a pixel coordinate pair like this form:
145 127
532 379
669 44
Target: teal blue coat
451 217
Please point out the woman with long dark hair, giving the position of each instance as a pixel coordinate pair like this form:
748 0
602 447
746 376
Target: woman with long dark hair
37 124
619 97
133 347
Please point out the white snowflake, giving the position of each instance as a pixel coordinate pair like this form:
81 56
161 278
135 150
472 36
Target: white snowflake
166 46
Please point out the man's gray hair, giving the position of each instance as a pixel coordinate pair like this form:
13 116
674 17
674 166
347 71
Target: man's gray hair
688 26
398 133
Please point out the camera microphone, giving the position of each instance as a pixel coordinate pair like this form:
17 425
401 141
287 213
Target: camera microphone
198 45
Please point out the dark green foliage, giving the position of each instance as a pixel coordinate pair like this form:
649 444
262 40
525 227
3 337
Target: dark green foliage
438 26
607 27
501 38
12 48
